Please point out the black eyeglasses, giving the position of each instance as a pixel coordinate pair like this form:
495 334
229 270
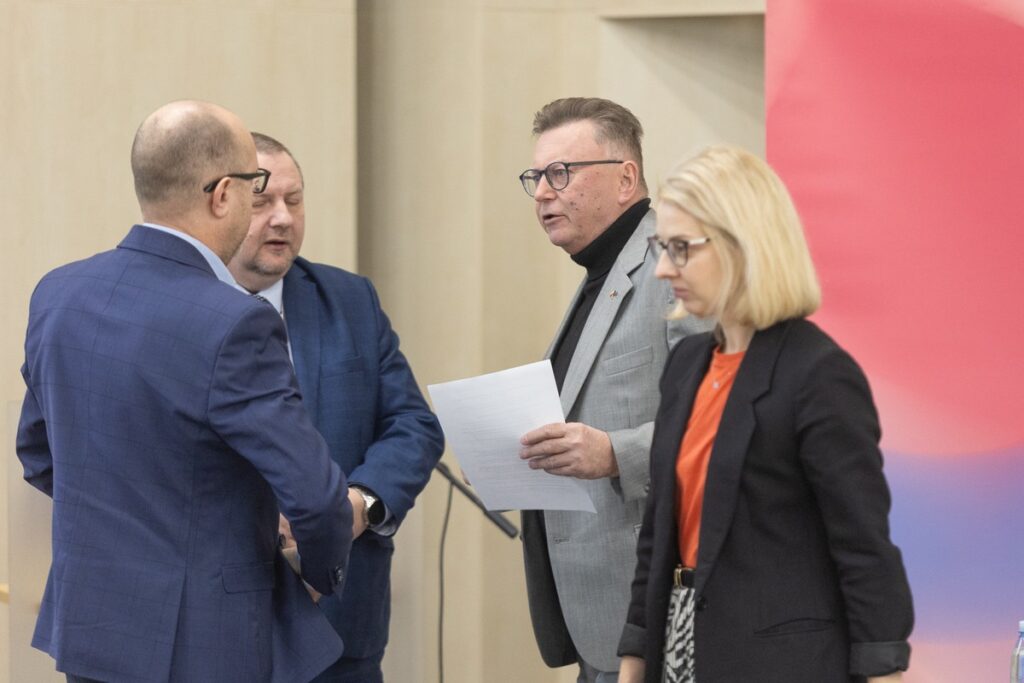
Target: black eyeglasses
557 174
259 180
678 250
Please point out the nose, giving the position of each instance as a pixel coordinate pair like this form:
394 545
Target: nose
665 269
280 216
543 191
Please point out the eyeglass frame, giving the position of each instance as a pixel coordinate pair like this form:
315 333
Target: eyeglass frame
258 173
543 173
659 248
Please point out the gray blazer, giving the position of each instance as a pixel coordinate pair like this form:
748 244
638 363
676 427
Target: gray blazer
579 565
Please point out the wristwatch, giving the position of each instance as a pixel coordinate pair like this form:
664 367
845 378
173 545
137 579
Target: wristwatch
373 508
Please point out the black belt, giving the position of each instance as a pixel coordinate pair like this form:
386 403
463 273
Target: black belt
682 576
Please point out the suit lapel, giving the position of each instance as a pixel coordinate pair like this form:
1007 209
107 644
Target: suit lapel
732 441
671 424
616 287
302 318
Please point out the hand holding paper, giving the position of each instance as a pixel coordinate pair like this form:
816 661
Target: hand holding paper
570 449
484 419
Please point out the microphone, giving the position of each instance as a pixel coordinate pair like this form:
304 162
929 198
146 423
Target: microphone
506 526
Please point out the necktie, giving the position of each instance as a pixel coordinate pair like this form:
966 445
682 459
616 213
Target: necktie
288 344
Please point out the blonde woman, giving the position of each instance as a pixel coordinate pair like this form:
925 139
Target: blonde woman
764 553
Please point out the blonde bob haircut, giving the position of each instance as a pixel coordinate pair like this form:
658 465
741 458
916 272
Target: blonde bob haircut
755 230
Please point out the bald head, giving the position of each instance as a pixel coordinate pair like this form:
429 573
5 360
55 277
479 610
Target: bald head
182 146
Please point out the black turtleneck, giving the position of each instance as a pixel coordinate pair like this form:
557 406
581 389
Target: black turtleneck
597 257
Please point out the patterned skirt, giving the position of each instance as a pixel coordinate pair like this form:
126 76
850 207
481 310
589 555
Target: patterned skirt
679 661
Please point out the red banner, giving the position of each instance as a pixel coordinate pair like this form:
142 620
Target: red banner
899 127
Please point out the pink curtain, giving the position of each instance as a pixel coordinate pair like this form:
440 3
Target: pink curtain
899 127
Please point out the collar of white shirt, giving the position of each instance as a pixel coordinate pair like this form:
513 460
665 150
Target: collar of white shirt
218 267
275 295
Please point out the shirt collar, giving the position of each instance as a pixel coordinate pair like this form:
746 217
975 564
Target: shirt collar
216 265
598 256
275 295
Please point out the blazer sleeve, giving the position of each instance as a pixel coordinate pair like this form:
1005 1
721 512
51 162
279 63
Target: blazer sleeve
632 447
33 445
634 634
838 434
255 407
407 436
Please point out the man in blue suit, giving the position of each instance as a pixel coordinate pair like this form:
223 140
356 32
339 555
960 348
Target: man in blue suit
163 418
361 395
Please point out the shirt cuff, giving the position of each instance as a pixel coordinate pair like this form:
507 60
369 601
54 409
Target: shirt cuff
389 526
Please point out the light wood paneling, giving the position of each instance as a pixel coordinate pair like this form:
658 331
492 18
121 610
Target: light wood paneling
665 9
691 81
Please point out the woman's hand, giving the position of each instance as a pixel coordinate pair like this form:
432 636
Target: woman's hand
631 669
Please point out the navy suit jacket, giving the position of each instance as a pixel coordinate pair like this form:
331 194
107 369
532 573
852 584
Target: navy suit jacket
365 402
796 577
163 418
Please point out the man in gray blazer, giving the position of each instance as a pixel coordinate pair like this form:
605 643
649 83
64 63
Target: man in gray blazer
591 199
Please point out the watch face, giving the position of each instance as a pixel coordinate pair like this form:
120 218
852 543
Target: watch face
375 513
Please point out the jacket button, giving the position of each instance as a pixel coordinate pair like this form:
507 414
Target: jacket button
702 604
647 487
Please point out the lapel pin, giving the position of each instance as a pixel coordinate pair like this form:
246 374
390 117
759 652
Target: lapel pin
613 294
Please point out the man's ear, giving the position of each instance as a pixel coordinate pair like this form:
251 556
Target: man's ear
220 200
629 180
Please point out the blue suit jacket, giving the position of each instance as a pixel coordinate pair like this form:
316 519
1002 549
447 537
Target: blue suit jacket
163 418
364 400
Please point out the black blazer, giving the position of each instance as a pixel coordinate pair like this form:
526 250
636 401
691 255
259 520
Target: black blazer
796 577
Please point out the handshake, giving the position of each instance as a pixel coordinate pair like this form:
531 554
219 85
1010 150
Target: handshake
290 550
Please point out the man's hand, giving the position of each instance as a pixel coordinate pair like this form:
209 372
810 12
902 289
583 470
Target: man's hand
631 669
358 515
290 551
284 532
570 449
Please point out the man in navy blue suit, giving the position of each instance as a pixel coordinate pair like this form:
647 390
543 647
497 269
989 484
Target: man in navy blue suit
361 395
163 418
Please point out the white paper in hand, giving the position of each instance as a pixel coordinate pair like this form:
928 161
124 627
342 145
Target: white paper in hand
483 419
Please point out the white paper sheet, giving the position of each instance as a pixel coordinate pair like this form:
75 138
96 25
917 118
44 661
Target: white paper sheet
483 419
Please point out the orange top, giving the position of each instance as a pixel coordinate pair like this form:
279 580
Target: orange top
695 450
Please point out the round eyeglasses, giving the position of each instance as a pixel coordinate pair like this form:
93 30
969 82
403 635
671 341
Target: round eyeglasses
556 173
678 250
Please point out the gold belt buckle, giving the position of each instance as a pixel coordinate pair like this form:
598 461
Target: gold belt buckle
677 575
